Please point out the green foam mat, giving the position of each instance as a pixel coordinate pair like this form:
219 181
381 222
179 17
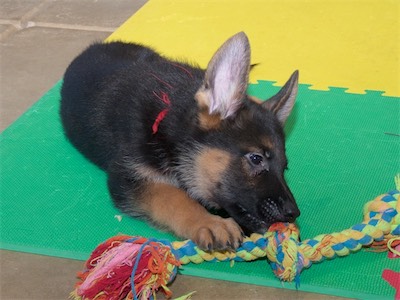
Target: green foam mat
343 151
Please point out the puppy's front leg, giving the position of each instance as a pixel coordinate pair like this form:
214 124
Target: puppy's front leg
173 208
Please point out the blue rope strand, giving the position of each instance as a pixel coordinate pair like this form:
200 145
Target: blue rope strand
140 252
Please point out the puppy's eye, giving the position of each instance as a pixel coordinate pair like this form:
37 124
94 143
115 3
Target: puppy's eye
256 159
258 162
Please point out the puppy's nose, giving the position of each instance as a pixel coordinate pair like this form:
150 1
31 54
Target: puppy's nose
291 212
292 215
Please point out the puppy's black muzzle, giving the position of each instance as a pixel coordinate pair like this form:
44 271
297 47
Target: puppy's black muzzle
278 206
286 204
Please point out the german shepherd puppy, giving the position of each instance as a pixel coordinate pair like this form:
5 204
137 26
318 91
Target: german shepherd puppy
175 139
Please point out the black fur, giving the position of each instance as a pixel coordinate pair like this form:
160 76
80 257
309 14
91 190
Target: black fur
112 95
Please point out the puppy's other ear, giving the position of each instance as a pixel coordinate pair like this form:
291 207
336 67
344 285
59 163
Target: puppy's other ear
282 103
226 78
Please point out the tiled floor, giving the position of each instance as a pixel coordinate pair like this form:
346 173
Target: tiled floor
38 38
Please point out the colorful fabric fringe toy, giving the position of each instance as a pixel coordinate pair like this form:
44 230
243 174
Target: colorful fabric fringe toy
125 267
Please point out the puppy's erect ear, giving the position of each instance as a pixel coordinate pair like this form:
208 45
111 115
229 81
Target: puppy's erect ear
282 103
226 78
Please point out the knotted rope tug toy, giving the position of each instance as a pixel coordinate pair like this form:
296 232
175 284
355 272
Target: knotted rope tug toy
126 267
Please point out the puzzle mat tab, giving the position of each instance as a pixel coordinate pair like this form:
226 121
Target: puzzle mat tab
349 44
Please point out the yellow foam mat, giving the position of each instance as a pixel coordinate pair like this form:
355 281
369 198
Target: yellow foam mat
350 44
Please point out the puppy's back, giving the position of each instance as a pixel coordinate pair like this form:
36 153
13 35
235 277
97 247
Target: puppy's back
91 87
112 94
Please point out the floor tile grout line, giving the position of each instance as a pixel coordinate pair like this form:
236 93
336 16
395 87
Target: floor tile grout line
21 23
31 13
28 24
25 22
73 26
15 23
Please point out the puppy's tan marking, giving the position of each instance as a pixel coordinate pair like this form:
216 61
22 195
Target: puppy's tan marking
255 99
255 150
267 143
171 207
202 99
152 174
210 166
206 121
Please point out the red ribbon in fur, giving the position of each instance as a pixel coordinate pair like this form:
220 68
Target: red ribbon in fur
164 98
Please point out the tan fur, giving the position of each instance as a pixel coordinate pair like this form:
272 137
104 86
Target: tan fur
255 99
206 121
210 166
267 143
172 208
201 98
254 150
153 174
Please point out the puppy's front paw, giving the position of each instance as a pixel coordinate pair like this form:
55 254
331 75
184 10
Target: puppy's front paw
218 234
